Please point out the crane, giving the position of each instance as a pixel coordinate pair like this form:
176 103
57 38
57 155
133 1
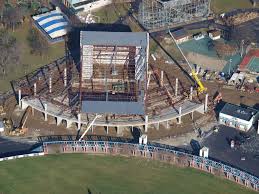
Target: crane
201 87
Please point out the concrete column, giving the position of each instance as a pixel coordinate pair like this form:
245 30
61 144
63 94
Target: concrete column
146 123
92 128
180 116
50 84
35 88
167 124
45 112
176 86
59 120
191 93
65 77
158 126
206 103
119 130
107 129
192 115
78 121
162 78
32 111
69 123
258 127
20 98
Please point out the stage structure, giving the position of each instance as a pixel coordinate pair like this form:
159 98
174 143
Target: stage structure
155 14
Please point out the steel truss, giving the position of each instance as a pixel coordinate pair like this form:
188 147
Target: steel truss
154 14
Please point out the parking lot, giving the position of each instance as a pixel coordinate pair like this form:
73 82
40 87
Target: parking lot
245 154
9 147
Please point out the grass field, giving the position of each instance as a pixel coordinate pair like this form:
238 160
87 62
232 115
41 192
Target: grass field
221 6
77 173
28 61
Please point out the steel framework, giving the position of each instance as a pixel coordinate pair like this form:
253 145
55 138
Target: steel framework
155 14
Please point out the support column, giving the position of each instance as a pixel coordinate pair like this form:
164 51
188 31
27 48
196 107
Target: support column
191 93
59 120
192 115
107 129
50 84
35 88
180 115
167 124
20 98
45 112
92 128
158 126
78 121
258 127
206 103
176 86
65 77
146 123
162 78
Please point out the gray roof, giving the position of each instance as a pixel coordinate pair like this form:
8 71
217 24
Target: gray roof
238 112
179 33
112 107
114 38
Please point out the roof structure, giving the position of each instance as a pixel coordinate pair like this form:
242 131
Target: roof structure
178 34
54 24
114 38
239 112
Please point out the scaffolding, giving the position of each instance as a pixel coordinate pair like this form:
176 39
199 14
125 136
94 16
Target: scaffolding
154 14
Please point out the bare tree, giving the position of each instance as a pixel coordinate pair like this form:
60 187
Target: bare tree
12 17
38 44
9 51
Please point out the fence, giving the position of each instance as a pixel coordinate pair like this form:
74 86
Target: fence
152 151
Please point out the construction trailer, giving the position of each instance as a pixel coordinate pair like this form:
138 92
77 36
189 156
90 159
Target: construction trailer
155 14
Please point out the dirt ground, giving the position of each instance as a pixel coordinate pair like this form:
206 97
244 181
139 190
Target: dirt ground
233 96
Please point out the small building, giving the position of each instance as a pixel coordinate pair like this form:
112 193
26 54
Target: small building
85 5
180 36
53 24
238 117
198 36
1 126
214 34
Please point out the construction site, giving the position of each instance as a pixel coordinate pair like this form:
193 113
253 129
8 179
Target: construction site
115 85
157 14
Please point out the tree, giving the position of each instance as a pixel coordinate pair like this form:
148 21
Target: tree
37 43
13 16
9 51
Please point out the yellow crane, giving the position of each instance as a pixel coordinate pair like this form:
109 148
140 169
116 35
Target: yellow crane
201 87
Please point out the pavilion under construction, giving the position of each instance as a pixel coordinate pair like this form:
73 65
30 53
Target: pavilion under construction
115 85
155 14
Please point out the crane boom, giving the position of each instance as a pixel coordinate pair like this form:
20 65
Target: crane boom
201 87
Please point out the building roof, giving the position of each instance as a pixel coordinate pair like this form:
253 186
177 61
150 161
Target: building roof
114 38
214 33
112 107
53 23
239 112
178 34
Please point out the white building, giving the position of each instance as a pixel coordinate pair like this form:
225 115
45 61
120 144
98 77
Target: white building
1 126
214 34
85 5
238 117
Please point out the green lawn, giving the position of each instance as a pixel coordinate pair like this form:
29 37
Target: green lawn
221 6
76 173
28 61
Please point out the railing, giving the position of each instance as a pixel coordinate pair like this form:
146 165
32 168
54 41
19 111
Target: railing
153 151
